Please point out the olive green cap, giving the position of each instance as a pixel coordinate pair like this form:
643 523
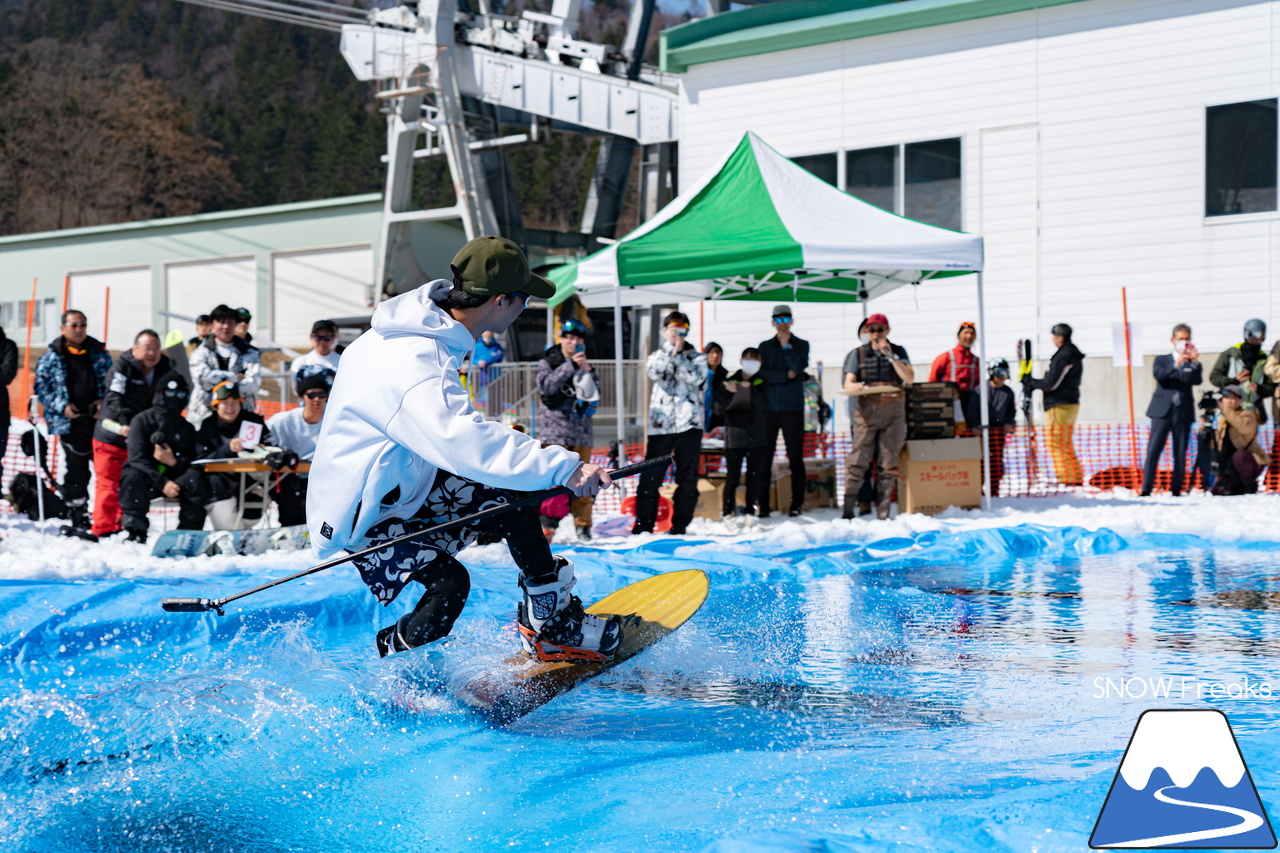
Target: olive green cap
489 266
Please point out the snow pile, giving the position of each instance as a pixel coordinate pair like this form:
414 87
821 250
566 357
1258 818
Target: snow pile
29 553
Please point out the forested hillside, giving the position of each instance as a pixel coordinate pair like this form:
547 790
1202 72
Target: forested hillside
119 110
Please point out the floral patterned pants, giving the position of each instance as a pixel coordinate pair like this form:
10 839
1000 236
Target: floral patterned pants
430 559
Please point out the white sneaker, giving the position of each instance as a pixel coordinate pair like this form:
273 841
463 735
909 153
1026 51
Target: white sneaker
554 627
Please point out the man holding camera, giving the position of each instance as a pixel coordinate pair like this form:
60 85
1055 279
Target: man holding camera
1237 456
679 375
1172 410
570 393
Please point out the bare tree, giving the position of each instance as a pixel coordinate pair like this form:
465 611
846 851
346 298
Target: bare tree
87 142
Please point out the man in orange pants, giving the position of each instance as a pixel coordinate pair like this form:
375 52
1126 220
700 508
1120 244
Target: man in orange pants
130 385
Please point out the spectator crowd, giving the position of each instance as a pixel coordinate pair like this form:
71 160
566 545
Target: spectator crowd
146 423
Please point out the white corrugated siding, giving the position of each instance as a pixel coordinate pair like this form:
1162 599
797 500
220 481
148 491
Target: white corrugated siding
310 286
197 288
1094 110
129 309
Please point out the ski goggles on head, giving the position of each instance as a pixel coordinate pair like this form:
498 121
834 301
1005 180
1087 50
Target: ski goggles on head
682 331
573 327
226 391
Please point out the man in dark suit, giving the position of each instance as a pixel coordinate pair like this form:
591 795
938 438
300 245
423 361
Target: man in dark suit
1172 408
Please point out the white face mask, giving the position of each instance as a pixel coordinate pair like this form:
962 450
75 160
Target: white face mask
750 367
865 338
1180 346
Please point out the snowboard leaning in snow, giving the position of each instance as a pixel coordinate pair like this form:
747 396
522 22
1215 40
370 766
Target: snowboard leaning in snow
651 609
192 543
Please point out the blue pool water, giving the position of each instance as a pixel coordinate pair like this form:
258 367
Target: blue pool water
947 692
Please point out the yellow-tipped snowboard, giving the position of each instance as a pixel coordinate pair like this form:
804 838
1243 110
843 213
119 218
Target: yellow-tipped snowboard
652 608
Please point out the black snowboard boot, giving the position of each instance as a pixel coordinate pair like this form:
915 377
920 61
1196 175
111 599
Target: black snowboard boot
78 516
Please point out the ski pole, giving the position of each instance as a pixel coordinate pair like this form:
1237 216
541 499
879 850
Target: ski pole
203 605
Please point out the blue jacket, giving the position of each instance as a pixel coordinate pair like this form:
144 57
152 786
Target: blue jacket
51 381
1173 397
488 353
785 394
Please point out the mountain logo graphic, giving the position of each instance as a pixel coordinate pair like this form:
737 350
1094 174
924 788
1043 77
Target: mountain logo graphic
1183 784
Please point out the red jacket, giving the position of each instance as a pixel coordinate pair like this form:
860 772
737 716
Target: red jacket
958 365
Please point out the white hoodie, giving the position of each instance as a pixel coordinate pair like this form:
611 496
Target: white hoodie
398 413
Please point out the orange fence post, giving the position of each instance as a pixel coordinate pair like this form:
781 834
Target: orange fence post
66 292
1128 376
31 315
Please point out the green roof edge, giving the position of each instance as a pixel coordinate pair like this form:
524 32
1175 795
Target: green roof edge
193 219
796 24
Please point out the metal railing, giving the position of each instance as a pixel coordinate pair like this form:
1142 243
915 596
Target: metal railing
509 393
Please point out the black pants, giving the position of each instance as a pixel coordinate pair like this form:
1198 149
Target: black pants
138 489
291 500
686 446
77 447
757 482
1160 431
791 425
430 560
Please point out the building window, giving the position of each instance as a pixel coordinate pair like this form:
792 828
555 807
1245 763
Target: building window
919 180
872 175
1240 158
821 165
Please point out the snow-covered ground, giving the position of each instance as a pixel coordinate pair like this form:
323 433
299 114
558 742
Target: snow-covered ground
27 553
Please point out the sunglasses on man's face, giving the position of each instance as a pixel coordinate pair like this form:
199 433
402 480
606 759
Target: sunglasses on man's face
317 395
77 325
324 338
872 330
778 321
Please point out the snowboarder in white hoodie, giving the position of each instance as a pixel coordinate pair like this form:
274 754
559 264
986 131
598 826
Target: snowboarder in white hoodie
401 449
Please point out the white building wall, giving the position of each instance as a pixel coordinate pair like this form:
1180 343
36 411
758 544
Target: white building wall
1082 130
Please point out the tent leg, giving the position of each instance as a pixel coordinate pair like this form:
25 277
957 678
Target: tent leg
620 408
984 397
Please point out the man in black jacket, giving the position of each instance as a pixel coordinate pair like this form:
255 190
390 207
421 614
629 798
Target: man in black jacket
8 370
1245 365
785 358
163 467
1172 409
1061 389
131 383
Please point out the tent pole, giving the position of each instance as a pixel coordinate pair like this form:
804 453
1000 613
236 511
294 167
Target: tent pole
620 408
984 397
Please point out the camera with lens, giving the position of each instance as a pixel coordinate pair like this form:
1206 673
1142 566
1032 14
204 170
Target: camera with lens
1209 402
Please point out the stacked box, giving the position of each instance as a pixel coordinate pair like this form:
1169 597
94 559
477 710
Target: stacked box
931 412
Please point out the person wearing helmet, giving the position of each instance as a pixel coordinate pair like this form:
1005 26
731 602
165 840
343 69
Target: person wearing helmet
570 392
1172 409
162 445
1245 365
1002 417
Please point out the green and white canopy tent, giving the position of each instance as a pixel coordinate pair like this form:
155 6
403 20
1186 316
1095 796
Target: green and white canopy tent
757 226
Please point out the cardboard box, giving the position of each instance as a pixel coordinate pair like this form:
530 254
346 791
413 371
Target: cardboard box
820 484
930 430
938 474
709 492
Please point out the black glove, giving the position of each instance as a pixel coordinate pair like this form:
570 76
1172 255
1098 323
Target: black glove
281 459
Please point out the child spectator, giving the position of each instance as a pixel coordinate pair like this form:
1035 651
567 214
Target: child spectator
741 402
1002 417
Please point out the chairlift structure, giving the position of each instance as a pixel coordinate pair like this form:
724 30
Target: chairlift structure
450 77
